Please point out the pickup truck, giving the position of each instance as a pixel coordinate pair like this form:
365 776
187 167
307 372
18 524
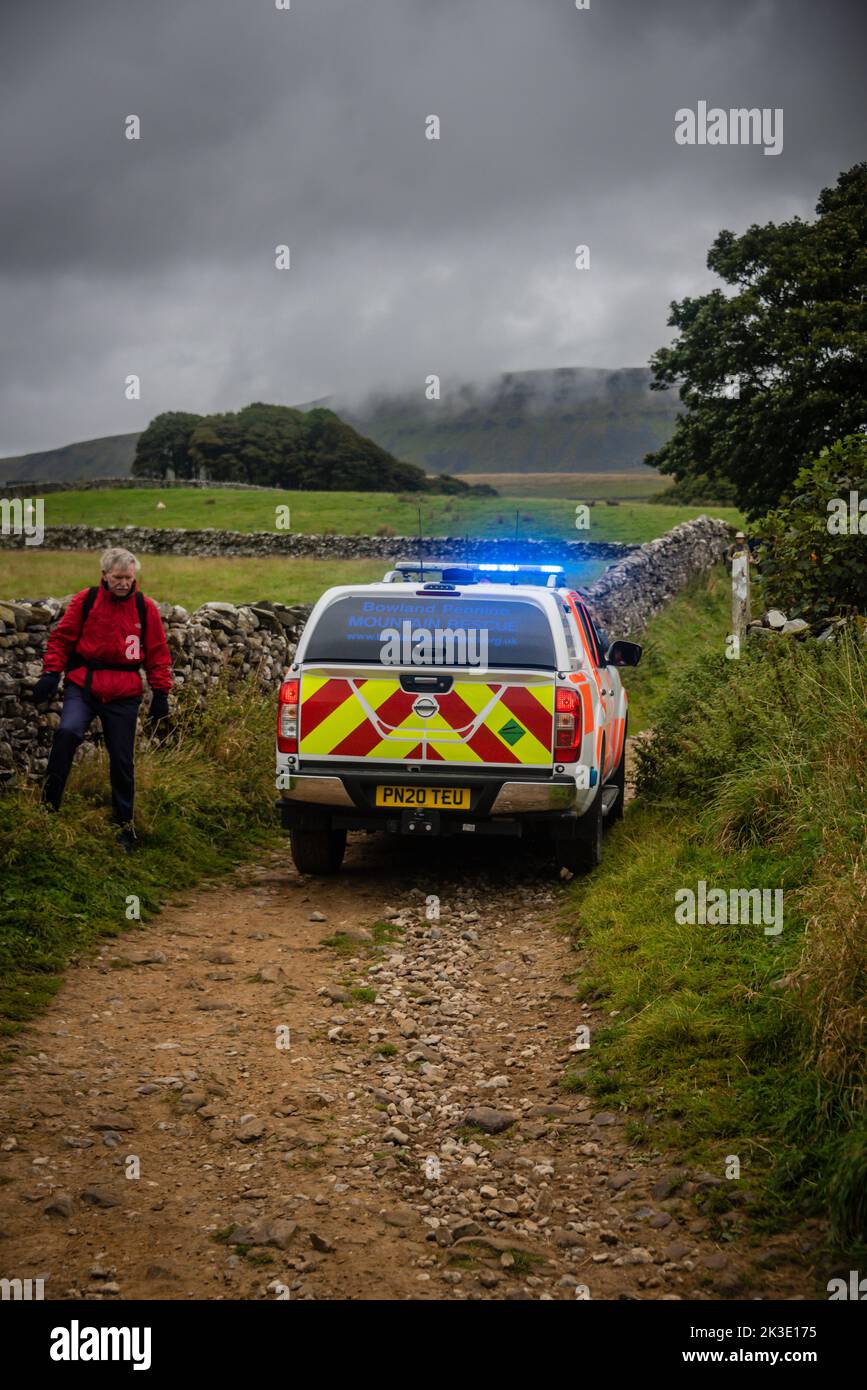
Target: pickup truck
453 699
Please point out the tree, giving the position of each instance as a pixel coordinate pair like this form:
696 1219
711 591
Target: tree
777 368
165 444
813 554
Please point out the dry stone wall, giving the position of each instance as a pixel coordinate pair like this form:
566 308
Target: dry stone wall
223 639
145 540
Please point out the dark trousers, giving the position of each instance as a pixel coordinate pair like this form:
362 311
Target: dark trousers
118 719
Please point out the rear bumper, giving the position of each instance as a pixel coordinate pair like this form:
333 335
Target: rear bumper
344 798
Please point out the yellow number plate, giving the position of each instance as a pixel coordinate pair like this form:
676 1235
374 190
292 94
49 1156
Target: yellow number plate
439 798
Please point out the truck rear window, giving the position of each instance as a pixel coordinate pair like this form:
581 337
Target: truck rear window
454 631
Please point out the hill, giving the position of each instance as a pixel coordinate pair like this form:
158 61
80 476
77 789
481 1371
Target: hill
566 420
108 457
569 419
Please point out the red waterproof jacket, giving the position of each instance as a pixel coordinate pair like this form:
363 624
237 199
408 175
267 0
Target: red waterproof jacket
110 624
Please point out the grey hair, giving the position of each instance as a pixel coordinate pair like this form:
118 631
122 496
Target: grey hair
116 557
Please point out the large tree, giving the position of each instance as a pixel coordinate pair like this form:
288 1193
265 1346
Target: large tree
775 368
279 446
165 444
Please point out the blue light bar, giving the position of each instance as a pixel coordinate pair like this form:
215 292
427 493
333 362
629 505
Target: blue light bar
514 569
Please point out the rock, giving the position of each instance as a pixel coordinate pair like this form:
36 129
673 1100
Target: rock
61 1204
794 627
193 1099
393 1135
463 1230
677 1250
112 1122
322 1244
249 1128
403 1215
774 618
668 1184
619 1180
280 1233
659 1220
144 957
221 958
98 1197
715 1261
270 974
490 1120
317 917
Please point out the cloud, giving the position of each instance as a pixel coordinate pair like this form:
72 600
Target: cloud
409 256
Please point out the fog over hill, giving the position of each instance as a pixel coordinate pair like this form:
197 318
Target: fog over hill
568 419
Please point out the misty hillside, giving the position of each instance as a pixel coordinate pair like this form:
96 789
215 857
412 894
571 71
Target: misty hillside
109 457
570 419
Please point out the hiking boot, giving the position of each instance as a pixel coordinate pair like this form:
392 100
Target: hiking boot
128 838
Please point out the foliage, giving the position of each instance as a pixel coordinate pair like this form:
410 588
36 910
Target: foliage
204 800
700 491
813 560
772 371
726 1040
278 446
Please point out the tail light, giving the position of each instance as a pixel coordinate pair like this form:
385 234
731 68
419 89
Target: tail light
287 717
567 726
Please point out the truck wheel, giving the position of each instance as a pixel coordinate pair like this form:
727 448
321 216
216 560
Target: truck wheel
318 851
583 851
619 781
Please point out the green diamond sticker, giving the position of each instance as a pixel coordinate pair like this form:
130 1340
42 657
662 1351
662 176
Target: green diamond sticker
511 732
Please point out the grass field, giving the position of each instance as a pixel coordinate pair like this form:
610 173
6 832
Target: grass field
349 513
191 581
627 487
183 579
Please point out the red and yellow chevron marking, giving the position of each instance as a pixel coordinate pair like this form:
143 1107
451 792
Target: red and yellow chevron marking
351 717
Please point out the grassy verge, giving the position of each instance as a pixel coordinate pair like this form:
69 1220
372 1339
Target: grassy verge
364 513
725 1040
204 801
696 621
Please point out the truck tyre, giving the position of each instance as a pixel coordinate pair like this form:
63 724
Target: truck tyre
619 781
583 850
318 851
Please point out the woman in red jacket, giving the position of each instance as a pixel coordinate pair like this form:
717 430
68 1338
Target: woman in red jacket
104 637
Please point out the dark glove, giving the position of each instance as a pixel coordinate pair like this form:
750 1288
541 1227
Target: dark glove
46 687
159 709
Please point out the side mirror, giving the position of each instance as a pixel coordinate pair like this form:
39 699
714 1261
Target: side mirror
622 653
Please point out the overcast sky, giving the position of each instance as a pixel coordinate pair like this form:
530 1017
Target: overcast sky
408 256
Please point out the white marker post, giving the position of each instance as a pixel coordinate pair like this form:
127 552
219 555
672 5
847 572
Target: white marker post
740 587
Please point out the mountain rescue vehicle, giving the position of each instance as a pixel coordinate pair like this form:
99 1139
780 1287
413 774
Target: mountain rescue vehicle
453 699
